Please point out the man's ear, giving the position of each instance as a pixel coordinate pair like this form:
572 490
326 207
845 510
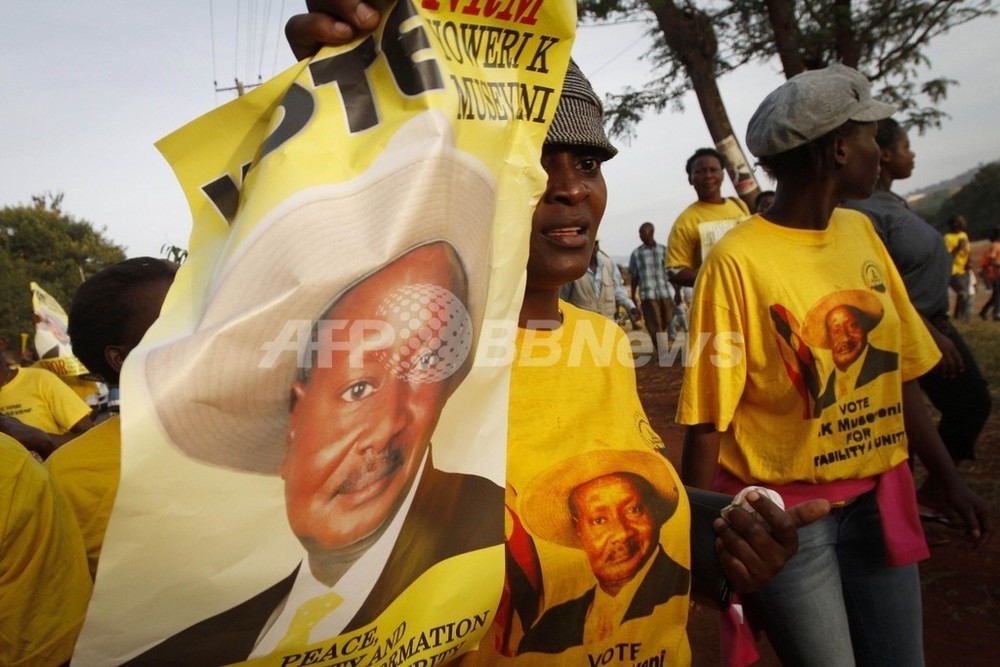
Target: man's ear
840 151
115 356
295 394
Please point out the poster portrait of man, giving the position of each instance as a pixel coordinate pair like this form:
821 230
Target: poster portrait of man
611 504
329 366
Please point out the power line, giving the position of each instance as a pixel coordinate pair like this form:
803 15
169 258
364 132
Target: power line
211 24
616 56
277 40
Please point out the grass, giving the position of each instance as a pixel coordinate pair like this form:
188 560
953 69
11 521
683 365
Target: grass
983 337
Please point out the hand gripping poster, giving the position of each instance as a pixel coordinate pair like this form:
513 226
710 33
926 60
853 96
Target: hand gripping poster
313 433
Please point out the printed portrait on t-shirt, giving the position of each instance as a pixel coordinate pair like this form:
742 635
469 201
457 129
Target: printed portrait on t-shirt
605 509
830 355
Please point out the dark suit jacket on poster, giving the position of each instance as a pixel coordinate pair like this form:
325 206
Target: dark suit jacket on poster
562 626
451 514
877 362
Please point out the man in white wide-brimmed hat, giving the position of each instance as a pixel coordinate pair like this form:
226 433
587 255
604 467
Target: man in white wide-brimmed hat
611 503
841 322
360 302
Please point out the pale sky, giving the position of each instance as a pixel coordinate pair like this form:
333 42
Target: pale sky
89 86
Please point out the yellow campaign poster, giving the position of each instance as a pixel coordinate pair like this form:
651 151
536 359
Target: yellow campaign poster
314 431
54 351
51 339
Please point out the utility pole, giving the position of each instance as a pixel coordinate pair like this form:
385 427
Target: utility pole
240 87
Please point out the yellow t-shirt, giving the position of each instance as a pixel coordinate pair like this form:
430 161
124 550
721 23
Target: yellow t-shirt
575 415
44 582
88 390
960 259
86 470
39 398
698 228
781 363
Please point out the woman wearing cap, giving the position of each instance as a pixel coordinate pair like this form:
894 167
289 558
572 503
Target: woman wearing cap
852 592
956 386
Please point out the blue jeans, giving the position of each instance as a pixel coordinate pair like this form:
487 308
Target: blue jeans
837 603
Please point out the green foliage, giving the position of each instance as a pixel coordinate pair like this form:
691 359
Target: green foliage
885 40
175 254
979 202
928 206
43 244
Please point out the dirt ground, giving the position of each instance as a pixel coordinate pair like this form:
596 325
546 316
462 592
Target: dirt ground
961 587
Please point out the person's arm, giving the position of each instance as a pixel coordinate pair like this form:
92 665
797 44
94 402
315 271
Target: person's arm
927 445
951 362
683 249
330 22
33 439
80 427
682 276
700 458
621 294
38 441
753 549
633 272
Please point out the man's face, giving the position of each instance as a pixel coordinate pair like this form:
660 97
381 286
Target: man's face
706 177
146 302
847 337
864 160
616 528
898 159
566 218
646 234
360 427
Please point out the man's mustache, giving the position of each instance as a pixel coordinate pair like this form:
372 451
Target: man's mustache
375 467
621 551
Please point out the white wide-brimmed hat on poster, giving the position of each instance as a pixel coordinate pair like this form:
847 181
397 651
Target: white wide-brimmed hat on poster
218 392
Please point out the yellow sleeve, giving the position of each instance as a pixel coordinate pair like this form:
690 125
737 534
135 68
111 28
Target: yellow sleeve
66 406
715 372
44 581
683 243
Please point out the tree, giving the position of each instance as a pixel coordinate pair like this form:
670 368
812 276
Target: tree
979 202
685 46
886 40
693 46
174 253
43 244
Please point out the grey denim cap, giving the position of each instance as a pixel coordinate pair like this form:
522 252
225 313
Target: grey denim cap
579 119
809 105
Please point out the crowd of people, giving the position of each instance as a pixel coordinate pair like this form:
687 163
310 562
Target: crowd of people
829 299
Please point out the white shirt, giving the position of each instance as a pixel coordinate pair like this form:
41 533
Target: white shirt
354 586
